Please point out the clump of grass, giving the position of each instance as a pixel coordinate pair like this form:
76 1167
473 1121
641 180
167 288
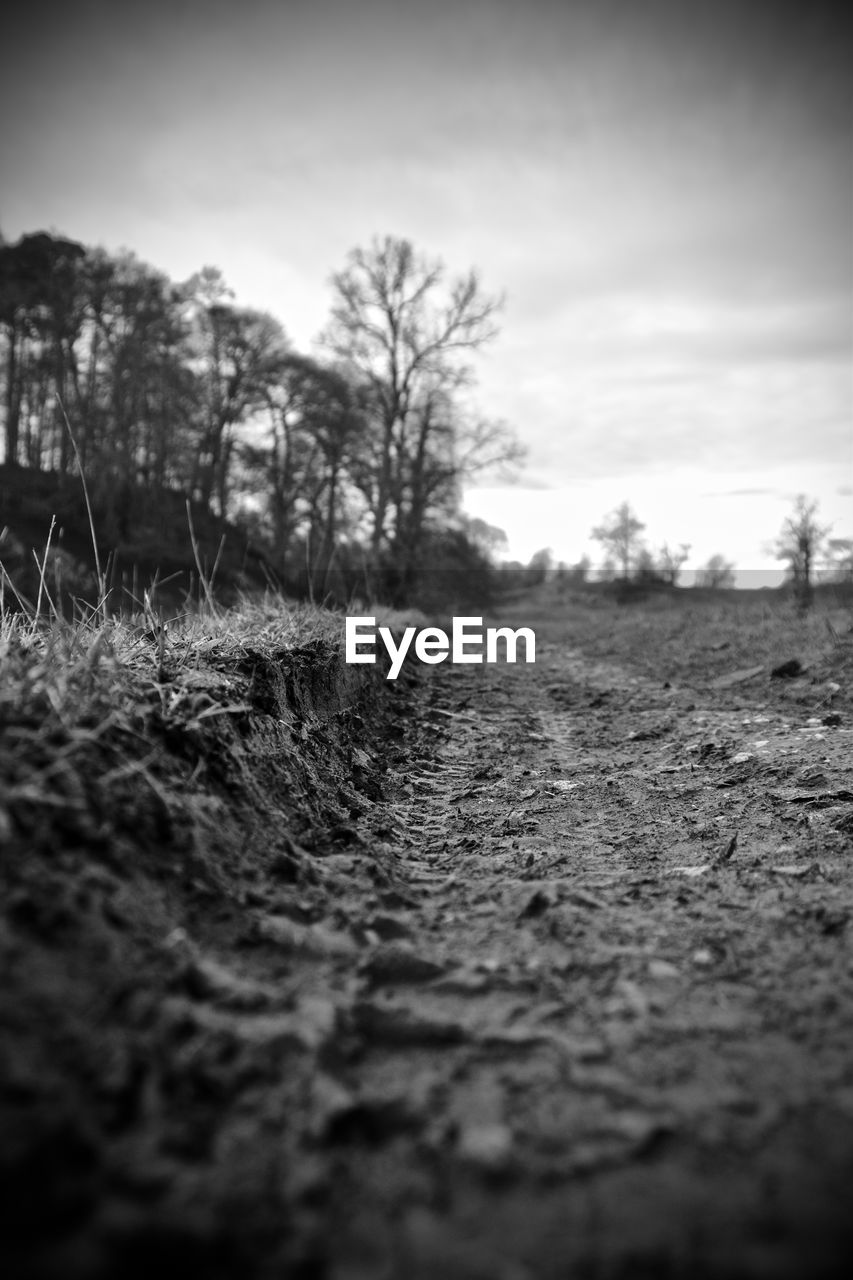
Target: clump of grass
87 703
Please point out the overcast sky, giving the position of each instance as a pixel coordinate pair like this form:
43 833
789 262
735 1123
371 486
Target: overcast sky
663 189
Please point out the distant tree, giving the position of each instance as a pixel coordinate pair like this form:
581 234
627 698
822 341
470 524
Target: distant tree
646 569
799 544
579 571
512 573
461 576
539 566
488 538
670 562
717 573
619 536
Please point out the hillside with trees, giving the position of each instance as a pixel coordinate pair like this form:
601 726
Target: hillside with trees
326 475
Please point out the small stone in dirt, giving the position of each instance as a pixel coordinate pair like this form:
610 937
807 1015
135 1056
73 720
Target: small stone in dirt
703 958
787 670
394 962
343 834
660 970
646 735
393 898
536 905
831 921
736 677
206 979
388 927
381 1024
797 871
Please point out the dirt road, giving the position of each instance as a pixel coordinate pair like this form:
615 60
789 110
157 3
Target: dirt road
573 999
615 1044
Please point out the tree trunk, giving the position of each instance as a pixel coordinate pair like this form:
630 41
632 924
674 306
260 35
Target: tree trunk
13 400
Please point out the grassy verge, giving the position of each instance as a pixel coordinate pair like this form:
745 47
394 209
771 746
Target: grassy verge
128 730
166 798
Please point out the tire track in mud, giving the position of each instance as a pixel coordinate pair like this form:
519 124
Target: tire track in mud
596 1042
522 1018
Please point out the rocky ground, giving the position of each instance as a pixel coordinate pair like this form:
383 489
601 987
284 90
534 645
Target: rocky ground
498 973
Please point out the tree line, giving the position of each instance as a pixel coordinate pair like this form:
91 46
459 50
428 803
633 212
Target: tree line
346 467
803 545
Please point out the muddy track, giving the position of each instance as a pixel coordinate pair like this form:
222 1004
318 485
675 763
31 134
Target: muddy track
569 996
630 1065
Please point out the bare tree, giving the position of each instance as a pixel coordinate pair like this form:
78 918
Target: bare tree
671 562
647 570
619 536
800 542
302 471
406 330
717 574
237 353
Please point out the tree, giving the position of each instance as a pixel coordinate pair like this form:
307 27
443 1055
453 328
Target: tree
135 395
238 352
579 571
619 536
333 415
717 574
41 310
303 470
487 538
799 543
646 571
670 562
405 330
541 563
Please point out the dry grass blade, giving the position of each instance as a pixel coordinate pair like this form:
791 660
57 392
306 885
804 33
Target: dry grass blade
102 581
26 606
207 583
42 569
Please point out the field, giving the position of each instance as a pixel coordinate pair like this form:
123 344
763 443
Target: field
487 973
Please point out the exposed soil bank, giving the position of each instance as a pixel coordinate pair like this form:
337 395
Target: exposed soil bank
160 891
510 974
